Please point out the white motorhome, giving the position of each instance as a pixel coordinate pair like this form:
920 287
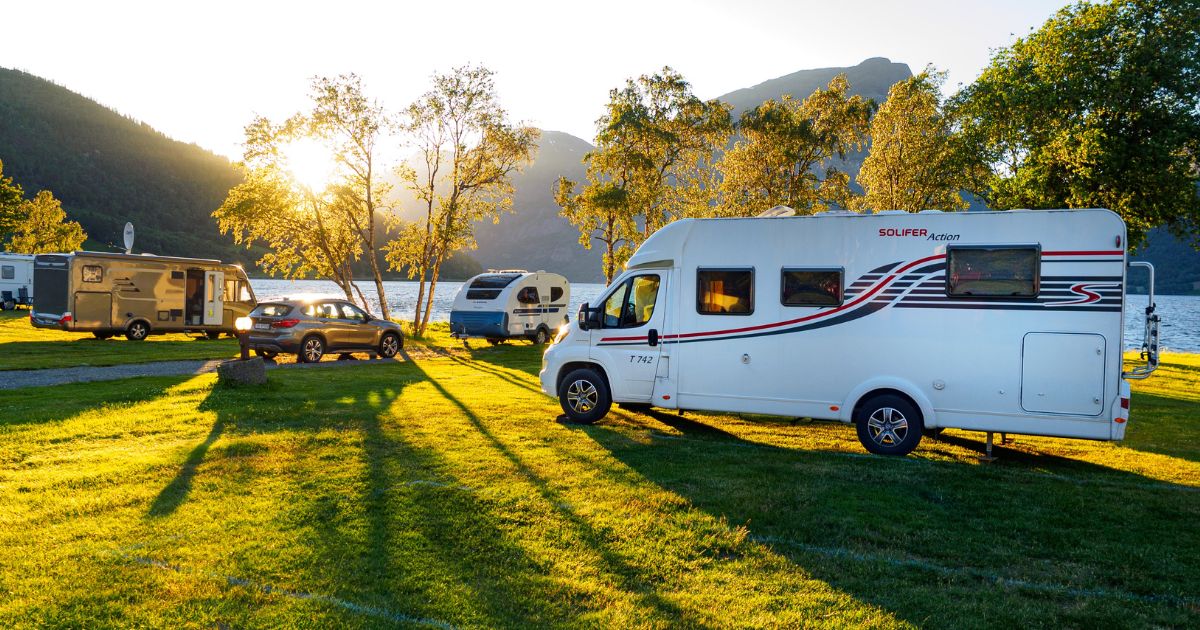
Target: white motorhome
500 305
16 280
898 322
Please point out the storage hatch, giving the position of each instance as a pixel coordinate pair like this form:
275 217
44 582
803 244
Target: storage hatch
1063 373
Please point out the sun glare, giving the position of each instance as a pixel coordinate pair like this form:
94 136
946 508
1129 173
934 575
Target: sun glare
310 163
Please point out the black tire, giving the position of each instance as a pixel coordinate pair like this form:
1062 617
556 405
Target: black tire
889 425
267 354
212 334
311 349
584 396
102 335
389 345
542 336
137 331
495 341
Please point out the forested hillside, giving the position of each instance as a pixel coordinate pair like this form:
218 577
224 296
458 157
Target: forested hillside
108 169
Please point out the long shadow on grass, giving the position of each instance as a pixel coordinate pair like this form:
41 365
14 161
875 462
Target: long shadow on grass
623 574
927 540
394 531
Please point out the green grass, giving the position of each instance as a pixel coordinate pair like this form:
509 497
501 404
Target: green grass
23 347
441 490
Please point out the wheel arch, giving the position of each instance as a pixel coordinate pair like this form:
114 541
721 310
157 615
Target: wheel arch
575 365
889 385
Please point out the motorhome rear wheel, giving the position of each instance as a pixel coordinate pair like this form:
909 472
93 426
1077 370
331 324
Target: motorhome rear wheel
137 331
889 425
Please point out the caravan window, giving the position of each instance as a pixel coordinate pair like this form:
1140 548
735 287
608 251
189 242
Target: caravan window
7 272
632 304
811 287
725 291
987 271
93 273
528 295
556 293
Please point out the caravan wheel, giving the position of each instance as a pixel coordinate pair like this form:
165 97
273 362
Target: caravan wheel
137 331
889 425
542 336
584 396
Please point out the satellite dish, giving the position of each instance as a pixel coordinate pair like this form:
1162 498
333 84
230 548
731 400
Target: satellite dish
128 238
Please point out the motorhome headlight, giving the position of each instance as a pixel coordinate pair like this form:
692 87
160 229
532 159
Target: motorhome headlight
563 331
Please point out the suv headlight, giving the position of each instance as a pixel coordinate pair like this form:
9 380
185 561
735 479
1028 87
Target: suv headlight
563 331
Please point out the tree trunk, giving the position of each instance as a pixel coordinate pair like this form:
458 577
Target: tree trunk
437 267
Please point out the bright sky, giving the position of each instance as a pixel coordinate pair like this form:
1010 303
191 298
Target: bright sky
199 71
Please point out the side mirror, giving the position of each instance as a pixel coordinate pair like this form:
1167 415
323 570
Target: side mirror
582 317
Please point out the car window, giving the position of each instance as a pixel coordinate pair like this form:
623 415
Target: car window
352 312
271 310
324 310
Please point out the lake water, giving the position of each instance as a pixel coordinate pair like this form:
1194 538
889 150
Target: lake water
1180 314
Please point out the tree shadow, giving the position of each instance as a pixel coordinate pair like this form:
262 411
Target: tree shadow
176 492
883 530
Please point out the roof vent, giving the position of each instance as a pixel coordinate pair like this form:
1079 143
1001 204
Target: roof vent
777 211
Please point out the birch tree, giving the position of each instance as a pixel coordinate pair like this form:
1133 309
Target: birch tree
468 151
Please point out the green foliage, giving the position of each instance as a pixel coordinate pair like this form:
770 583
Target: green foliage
602 212
303 236
43 227
1100 107
913 164
11 197
783 145
468 153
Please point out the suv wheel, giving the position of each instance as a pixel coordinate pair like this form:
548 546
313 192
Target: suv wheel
311 349
389 345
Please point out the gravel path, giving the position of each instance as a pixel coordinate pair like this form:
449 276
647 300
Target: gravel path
16 379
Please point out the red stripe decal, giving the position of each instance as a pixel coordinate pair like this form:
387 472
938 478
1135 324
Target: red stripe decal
1117 252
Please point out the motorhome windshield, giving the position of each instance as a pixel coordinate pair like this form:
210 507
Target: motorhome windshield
494 281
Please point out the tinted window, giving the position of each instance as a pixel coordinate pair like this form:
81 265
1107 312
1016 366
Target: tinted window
326 311
556 294
811 287
482 294
271 310
93 273
725 291
528 295
494 281
993 271
632 304
8 272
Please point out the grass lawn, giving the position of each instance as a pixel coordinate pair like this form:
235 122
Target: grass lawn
441 491
23 347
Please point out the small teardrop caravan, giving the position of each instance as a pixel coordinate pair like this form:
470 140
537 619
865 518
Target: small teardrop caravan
514 303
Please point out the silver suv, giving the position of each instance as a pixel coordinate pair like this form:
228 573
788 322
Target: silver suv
313 327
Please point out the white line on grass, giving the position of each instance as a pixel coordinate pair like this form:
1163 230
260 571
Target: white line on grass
270 589
848 554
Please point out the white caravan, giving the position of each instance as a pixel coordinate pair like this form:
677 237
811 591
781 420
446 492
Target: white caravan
499 305
900 323
16 280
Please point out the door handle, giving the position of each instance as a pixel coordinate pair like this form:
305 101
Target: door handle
652 337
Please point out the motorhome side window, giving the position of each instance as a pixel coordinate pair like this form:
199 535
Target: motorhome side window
811 287
725 291
993 271
632 304
93 273
7 272
528 295
556 294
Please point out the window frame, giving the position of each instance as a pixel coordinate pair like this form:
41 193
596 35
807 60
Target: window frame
537 296
83 273
8 272
1037 271
841 272
753 280
624 289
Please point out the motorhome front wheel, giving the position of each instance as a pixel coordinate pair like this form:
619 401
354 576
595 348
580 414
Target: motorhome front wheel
584 396
889 425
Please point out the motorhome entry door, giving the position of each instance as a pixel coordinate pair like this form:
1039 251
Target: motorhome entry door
214 301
